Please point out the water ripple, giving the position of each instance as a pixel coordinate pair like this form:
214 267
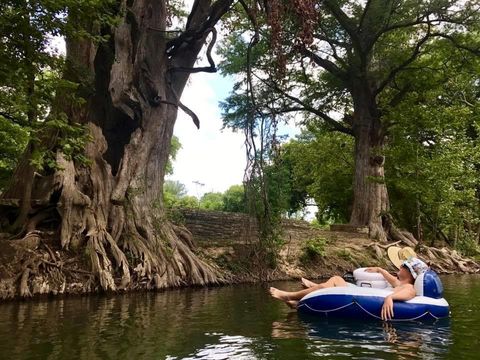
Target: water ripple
236 322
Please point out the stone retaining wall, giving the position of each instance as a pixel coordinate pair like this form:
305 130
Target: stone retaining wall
216 228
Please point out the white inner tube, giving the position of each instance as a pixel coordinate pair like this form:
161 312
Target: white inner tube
375 284
361 274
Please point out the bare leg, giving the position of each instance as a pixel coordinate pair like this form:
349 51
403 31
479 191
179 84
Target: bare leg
287 296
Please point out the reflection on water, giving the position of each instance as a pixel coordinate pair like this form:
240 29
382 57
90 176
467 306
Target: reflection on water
227 347
366 339
237 322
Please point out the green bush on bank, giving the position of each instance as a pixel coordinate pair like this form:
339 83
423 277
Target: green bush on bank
314 249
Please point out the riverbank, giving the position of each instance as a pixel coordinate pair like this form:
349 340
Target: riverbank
330 253
228 240
37 266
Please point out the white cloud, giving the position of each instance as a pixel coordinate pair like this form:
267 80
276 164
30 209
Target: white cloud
211 156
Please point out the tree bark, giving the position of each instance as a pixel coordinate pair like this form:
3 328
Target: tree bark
113 208
370 194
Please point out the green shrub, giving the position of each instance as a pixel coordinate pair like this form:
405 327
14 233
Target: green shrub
314 249
345 254
468 246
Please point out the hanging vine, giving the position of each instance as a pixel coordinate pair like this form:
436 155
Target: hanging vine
261 180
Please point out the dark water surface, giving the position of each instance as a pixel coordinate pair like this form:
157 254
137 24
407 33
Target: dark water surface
236 322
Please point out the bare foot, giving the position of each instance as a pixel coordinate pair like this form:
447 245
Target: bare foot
279 294
307 283
292 303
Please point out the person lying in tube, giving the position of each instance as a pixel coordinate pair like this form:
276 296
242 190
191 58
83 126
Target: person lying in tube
402 284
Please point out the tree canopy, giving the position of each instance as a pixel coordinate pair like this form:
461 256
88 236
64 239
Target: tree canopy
369 70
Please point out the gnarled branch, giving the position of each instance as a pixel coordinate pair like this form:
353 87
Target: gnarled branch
189 112
210 69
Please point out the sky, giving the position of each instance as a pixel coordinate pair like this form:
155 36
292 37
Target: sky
210 159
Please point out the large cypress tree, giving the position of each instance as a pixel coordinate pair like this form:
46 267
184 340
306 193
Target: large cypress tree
130 74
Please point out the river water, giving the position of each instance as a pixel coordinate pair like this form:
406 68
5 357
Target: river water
234 322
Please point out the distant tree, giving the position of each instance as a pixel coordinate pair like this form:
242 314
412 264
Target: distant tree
174 187
234 199
173 191
321 166
175 196
187 202
211 201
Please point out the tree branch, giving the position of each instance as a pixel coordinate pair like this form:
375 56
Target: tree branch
332 44
252 18
333 123
403 65
343 20
326 64
457 44
422 20
183 50
189 112
364 14
400 95
418 21
330 40
202 18
210 69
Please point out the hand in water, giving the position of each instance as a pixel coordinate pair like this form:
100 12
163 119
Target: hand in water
387 309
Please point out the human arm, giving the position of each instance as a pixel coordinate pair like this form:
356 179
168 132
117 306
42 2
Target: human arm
386 275
402 293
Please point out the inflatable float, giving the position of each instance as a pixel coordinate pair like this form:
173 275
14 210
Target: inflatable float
364 300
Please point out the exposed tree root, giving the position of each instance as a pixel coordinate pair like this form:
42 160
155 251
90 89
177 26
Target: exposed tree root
376 231
443 260
127 246
447 260
24 290
395 234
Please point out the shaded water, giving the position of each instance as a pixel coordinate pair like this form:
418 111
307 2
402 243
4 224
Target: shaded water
236 322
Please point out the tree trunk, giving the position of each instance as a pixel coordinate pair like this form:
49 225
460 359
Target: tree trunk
370 194
113 207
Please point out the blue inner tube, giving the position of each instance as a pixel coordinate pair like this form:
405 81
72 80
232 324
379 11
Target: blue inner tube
366 303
